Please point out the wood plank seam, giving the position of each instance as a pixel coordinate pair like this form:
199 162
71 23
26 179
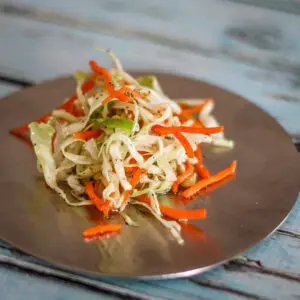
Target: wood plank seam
287 232
189 295
288 6
98 26
246 264
109 289
213 285
284 97
230 266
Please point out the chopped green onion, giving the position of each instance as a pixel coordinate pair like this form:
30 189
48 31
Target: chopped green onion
113 123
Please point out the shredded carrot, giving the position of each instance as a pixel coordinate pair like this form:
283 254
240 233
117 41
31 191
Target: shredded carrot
185 143
102 72
124 94
198 186
101 229
134 181
97 201
97 188
129 169
86 135
131 93
164 130
19 130
184 118
177 214
196 109
201 169
106 207
183 105
214 186
145 154
189 170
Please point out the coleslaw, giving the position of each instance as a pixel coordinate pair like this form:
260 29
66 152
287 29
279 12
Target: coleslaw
121 141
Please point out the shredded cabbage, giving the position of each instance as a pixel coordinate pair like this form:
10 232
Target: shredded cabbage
107 137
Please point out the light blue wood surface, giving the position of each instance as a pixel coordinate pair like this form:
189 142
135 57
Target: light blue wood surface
251 49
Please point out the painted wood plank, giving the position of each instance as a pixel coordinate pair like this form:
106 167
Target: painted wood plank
49 52
206 27
18 285
200 287
288 6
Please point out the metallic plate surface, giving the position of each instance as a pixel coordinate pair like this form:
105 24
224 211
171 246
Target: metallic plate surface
240 213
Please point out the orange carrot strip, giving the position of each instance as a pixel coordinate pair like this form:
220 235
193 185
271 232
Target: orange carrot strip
101 229
185 143
189 170
131 93
198 186
164 130
103 72
187 173
106 207
183 105
184 118
201 169
97 187
214 186
177 214
129 169
92 195
86 135
134 181
196 109
124 94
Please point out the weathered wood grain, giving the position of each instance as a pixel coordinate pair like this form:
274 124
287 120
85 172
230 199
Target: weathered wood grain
50 51
12 280
206 27
288 6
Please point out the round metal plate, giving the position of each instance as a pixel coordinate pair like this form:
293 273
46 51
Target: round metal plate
240 213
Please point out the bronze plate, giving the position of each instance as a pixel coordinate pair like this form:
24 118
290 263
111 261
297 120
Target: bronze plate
240 213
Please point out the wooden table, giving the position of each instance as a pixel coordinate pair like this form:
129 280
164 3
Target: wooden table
250 47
